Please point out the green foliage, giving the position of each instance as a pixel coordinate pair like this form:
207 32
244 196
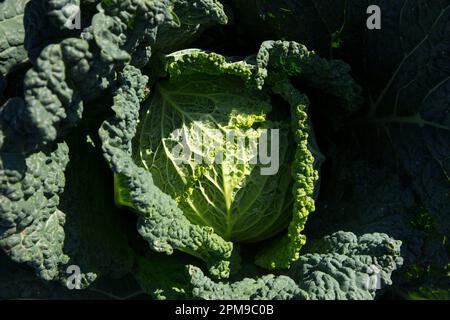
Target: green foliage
12 51
344 266
32 224
341 266
359 205
268 287
230 200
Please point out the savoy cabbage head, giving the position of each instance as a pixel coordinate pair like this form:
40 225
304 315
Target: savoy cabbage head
212 183
224 149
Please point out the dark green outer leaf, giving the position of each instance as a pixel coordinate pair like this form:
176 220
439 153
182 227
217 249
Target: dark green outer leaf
12 34
316 24
408 67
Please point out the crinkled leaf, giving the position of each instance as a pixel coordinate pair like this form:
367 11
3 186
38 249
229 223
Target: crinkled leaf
268 287
31 225
162 223
12 35
346 267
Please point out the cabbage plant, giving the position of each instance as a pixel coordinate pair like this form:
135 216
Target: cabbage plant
206 149
204 203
